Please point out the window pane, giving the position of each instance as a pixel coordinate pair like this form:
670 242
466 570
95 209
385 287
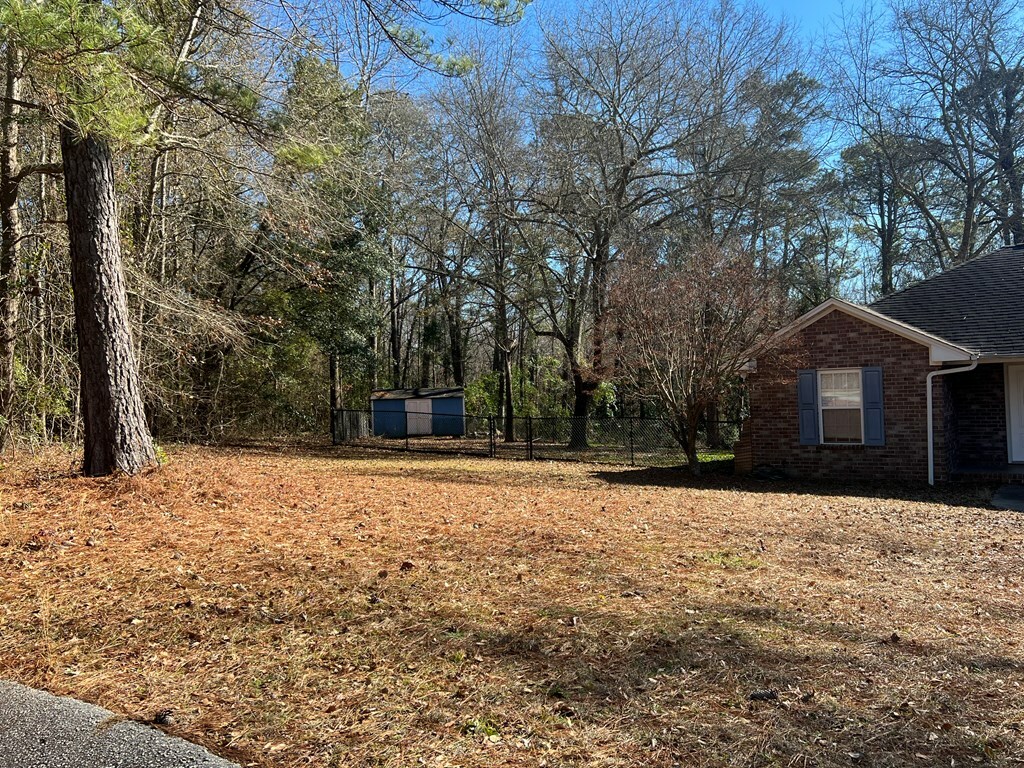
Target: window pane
840 399
840 389
840 425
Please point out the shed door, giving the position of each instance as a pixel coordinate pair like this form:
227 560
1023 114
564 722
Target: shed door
418 414
1015 410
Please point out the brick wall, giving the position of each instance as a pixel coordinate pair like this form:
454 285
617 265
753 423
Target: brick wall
838 340
951 442
978 416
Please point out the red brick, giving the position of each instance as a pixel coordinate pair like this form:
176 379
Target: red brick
838 340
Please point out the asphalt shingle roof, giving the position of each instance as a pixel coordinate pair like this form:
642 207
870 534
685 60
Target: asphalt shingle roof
411 394
978 305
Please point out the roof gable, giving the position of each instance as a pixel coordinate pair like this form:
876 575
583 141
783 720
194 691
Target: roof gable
976 305
939 350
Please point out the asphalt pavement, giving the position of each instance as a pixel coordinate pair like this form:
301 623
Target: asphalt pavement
38 730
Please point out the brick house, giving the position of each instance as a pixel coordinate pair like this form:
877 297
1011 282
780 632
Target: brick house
924 385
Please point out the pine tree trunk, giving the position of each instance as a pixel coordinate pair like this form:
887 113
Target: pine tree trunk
116 435
10 237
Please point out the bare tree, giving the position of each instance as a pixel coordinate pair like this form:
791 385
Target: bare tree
613 109
751 150
492 162
933 93
686 323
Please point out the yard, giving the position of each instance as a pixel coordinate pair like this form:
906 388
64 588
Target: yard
303 606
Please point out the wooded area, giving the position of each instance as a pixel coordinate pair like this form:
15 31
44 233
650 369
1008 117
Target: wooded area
594 209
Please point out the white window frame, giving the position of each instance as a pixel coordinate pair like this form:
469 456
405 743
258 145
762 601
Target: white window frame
821 408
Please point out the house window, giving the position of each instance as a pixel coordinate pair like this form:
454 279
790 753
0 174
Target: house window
840 406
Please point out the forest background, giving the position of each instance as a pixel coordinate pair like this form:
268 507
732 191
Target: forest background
514 199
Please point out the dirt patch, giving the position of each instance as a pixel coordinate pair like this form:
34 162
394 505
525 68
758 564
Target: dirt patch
320 607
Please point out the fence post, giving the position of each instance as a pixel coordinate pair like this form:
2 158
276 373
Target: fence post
490 435
529 438
630 419
406 430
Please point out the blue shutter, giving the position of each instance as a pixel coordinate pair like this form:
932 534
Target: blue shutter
807 394
874 418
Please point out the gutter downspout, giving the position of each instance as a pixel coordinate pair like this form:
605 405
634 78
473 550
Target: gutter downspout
931 426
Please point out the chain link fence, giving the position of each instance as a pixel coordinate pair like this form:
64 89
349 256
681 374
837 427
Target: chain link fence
619 440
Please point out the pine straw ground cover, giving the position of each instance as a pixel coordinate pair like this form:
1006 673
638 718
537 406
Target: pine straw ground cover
314 607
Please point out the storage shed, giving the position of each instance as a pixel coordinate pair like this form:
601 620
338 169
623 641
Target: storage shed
419 412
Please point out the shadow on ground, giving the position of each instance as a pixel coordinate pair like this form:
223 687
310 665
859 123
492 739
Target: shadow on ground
680 477
715 475
727 681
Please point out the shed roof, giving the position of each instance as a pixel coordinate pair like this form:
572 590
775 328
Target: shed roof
416 394
978 304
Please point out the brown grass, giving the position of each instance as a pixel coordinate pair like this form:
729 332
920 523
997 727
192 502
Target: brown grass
315 607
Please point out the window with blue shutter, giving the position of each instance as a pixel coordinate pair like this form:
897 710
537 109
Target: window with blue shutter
807 395
874 416
840 402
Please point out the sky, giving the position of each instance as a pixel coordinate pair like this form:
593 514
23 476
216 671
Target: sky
813 19
811 15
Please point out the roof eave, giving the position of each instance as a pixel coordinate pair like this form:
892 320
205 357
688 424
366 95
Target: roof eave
997 357
940 350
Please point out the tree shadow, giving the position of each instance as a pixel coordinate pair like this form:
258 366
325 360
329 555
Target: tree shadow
978 496
715 475
741 682
699 690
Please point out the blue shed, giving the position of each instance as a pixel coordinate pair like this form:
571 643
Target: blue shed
419 412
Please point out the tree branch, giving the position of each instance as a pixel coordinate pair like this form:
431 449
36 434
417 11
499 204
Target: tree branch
49 169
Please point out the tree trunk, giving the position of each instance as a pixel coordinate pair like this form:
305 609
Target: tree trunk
394 338
336 399
712 430
687 437
426 354
583 394
116 435
206 373
692 458
509 405
373 339
10 238
599 299
886 227
455 339
1016 205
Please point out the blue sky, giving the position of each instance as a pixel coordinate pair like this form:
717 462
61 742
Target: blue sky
813 19
811 15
